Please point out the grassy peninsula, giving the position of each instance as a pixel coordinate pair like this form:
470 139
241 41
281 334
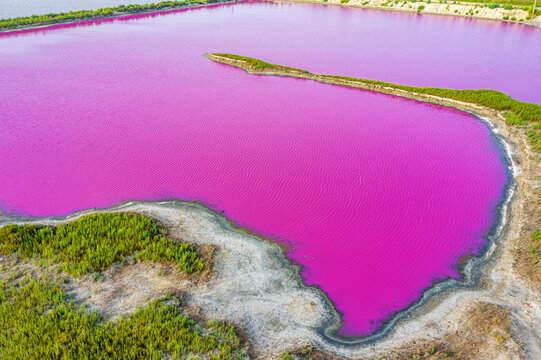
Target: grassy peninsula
47 19
518 111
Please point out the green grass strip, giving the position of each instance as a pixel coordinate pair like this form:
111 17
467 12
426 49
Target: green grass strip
94 242
89 14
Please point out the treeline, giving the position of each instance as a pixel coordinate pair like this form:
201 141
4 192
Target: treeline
94 242
89 14
37 321
489 98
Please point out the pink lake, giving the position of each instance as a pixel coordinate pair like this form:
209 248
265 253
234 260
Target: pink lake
380 196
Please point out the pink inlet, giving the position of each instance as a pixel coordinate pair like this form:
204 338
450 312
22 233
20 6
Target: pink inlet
380 196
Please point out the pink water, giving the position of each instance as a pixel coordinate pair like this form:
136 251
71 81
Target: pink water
380 196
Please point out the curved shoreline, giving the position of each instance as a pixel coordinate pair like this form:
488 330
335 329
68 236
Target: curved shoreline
471 269
329 319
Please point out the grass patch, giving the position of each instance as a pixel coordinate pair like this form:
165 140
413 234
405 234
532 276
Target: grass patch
37 321
535 249
89 14
94 242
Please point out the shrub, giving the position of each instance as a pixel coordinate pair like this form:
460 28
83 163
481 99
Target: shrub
420 8
38 322
512 119
94 242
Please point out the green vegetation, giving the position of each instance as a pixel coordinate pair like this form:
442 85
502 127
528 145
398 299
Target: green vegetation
535 248
488 98
420 8
96 241
89 14
302 354
37 321
512 119
260 65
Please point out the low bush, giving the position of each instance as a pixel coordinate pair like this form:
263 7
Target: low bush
37 321
96 241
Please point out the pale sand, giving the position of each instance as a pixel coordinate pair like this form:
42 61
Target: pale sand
461 9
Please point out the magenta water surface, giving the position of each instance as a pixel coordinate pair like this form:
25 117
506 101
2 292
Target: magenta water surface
380 196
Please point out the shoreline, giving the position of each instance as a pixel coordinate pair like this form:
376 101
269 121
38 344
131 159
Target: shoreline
493 14
497 14
124 15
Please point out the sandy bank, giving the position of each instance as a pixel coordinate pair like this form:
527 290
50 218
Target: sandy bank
461 9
